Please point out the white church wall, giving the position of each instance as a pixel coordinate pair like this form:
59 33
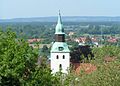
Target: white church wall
55 62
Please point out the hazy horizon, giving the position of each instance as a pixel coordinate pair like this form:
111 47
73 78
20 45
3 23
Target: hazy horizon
56 16
10 9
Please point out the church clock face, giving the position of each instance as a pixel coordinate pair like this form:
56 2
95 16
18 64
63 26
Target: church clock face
61 48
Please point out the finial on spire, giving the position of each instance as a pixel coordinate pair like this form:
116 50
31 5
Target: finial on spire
59 12
59 18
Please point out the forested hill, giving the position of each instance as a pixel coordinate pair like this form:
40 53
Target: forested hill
65 19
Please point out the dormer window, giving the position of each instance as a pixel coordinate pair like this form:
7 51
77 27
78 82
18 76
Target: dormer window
61 48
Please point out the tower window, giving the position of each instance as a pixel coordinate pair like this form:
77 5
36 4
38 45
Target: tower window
57 57
61 48
63 56
60 67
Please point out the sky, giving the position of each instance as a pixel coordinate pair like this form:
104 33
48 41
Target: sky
42 8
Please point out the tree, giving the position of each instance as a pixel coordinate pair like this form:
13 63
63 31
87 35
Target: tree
17 59
18 63
45 48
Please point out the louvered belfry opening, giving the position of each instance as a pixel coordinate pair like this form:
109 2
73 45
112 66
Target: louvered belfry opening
60 37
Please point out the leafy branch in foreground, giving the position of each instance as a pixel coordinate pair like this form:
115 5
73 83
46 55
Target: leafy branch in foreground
18 63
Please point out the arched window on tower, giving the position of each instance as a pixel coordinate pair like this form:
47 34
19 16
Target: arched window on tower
57 57
63 56
60 67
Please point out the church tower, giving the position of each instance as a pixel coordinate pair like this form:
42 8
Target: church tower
60 53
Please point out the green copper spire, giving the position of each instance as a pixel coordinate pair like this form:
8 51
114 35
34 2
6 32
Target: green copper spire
59 18
59 46
59 28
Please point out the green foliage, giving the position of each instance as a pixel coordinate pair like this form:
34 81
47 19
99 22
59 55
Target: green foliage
16 57
45 48
107 74
111 51
42 77
73 44
18 64
45 30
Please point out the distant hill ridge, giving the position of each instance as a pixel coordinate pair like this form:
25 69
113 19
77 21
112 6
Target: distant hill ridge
65 19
